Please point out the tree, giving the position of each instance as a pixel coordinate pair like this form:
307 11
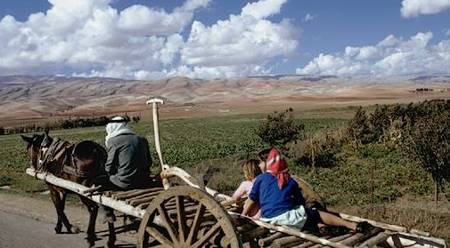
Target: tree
278 129
427 140
2 130
379 122
317 150
358 129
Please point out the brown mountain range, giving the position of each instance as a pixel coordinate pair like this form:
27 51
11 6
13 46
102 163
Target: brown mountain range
40 97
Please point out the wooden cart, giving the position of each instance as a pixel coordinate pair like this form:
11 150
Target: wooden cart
192 215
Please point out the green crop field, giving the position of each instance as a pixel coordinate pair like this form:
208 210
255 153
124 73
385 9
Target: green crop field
185 143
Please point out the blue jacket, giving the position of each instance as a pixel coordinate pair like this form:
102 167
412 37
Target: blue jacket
271 199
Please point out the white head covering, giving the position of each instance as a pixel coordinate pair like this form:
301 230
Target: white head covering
117 127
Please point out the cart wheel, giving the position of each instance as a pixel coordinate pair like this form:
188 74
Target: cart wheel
184 216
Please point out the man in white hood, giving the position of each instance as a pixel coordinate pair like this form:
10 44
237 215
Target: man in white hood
129 161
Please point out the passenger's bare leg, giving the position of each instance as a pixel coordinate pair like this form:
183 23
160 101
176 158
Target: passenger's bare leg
333 220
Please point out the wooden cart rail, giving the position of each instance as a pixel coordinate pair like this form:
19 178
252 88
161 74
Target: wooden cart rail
121 206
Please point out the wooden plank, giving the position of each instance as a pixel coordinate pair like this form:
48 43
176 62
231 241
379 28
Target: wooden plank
373 241
90 190
374 223
358 237
427 241
137 192
334 239
77 188
287 242
154 193
142 200
254 234
122 193
268 240
294 232
304 245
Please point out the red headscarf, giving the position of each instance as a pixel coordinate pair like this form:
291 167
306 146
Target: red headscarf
277 166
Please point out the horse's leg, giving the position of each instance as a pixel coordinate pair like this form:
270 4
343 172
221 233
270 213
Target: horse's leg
93 211
59 199
112 235
109 217
70 228
54 195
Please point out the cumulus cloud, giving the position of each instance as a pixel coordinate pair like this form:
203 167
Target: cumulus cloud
309 17
414 8
391 56
240 45
90 37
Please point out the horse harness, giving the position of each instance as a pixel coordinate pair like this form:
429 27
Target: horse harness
71 164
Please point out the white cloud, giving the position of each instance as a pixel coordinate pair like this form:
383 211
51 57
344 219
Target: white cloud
447 32
141 20
309 17
240 45
414 8
391 56
89 37
263 8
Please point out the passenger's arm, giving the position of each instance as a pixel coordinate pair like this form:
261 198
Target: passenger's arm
112 153
239 193
249 204
253 196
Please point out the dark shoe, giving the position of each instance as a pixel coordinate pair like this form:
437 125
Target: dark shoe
364 227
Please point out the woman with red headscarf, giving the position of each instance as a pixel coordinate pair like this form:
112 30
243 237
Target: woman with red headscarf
282 203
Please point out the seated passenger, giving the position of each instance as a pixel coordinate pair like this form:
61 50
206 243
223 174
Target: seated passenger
282 202
262 156
128 163
251 171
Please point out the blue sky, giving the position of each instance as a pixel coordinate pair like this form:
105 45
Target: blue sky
419 32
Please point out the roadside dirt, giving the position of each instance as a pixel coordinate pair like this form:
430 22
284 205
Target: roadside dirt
29 222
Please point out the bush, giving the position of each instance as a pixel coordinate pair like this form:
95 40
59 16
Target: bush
427 140
320 150
5 180
379 122
278 129
358 129
64 124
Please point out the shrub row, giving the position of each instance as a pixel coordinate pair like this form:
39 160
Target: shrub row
63 124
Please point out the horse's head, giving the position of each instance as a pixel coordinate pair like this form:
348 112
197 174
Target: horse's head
36 147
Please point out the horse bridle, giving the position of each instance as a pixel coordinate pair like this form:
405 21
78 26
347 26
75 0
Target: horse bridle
41 154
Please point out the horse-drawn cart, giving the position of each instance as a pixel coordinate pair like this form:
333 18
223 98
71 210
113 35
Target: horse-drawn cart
194 215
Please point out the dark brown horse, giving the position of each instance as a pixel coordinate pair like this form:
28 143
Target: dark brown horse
80 163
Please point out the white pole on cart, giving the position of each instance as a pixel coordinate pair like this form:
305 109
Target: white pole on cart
164 166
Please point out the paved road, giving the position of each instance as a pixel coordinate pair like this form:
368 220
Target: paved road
25 232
